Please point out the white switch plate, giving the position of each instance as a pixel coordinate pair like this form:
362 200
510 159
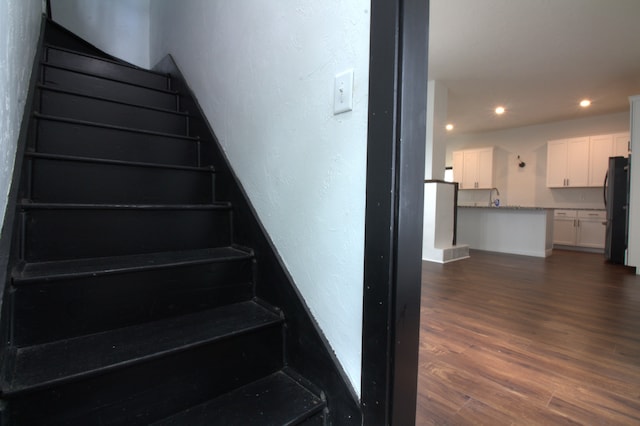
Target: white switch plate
343 92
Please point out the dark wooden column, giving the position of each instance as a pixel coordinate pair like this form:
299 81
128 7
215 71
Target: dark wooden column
394 209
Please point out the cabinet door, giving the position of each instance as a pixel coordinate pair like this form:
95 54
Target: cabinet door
621 145
556 163
470 169
578 162
591 229
600 149
485 169
458 167
564 231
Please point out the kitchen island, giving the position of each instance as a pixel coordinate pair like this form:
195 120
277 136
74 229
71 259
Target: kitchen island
510 229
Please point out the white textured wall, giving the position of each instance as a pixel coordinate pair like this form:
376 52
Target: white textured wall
118 27
19 31
528 186
263 73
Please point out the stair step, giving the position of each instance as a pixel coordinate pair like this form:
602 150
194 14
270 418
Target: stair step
274 400
67 231
68 179
81 82
105 67
140 374
69 104
40 366
57 35
26 273
58 135
60 300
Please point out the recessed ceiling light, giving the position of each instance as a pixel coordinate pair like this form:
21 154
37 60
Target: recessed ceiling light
500 110
585 103
449 126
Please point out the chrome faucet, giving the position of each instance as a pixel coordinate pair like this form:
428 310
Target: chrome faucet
491 202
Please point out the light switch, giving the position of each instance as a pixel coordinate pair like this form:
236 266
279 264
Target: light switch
343 92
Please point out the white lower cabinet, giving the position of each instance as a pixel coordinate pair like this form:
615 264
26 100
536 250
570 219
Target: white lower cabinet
579 228
564 227
591 228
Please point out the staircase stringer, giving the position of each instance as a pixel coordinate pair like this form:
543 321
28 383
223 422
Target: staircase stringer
307 349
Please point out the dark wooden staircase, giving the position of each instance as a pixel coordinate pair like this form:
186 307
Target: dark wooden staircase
129 301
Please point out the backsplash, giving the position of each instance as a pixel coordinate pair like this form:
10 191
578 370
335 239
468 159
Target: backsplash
561 198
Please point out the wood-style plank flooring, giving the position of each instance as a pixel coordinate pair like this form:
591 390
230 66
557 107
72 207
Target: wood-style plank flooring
520 340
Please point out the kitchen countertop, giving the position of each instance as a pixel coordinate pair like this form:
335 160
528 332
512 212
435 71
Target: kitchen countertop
505 207
509 207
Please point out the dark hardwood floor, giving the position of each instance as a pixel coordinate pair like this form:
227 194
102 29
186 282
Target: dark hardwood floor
511 339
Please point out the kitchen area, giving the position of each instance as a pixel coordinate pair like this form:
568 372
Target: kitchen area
531 190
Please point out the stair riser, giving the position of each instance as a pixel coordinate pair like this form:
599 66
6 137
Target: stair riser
78 233
106 69
139 394
110 89
56 137
58 37
63 181
79 107
118 300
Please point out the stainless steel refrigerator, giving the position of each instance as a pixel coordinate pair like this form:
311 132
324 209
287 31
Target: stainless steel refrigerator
616 201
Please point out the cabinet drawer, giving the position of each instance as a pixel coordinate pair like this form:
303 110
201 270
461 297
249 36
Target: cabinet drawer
570 214
592 214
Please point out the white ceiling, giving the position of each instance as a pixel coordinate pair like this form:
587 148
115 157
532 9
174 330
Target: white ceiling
538 58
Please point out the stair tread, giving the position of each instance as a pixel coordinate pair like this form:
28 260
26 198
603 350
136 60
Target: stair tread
89 73
39 366
208 169
99 58
35 271
115 101
112 126
217 205
274 400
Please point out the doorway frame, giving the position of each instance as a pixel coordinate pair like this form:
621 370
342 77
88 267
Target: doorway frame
394 209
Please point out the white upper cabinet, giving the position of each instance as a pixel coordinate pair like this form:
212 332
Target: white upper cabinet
556 163
600 149
473 168
583 162
458 165
567 163
621 145
485 168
